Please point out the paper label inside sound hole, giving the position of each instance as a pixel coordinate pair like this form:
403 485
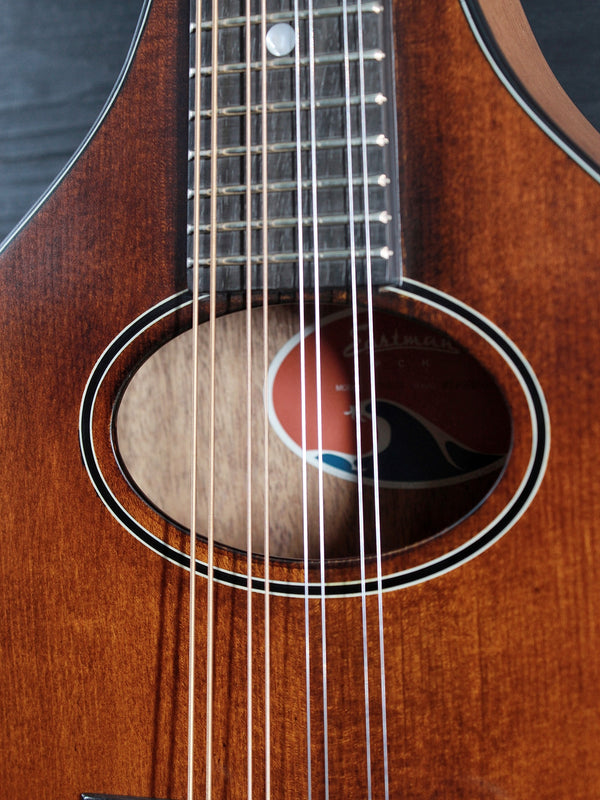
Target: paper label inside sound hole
441 418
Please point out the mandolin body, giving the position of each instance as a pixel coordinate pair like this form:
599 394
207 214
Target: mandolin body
492 668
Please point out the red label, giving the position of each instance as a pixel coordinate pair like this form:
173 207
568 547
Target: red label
440 416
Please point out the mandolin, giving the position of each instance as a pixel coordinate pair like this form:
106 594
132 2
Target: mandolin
298 419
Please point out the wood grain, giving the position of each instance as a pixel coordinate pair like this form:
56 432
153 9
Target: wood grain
491 669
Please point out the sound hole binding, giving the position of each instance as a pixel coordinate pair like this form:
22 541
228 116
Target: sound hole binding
112 797
509 467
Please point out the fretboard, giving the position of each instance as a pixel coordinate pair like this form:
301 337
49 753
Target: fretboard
330 146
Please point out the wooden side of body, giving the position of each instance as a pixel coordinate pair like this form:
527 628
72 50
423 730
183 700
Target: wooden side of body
491 669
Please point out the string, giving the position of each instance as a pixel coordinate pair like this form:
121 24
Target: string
373 400
212 348
265 320
315 227
305 542
357 402
195 402
249 709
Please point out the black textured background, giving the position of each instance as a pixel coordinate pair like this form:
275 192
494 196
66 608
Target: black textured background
60 58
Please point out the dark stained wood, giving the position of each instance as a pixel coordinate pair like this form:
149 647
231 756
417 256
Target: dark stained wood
59 62
491 669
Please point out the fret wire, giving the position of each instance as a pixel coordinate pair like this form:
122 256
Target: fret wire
288 63
289 222
288 186
290 257
287 16
287 105
377 140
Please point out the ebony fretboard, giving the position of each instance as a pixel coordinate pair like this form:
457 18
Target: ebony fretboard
325 139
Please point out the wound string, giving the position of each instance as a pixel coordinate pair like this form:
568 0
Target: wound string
305 540
248 121
315 226
194 442
212 350
265 318
357 400
373 398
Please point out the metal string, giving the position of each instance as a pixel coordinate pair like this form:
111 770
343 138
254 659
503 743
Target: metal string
210 600
315 227
265 320
249 709
373 398
357 403
194 442
305 542
212 348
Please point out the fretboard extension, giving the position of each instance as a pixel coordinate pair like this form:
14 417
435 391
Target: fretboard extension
336 125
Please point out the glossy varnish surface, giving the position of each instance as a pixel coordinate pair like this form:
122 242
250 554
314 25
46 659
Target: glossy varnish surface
492 669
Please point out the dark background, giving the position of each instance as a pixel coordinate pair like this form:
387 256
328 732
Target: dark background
60 58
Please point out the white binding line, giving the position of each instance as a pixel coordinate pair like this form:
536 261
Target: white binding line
141 24
403 291
107 369
539 121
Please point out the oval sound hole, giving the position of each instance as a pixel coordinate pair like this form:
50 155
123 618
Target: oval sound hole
443 430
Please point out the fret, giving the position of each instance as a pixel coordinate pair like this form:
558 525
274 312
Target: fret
290 147
288 16
283 270
288 222
289 63
292 186
289 105
383 253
